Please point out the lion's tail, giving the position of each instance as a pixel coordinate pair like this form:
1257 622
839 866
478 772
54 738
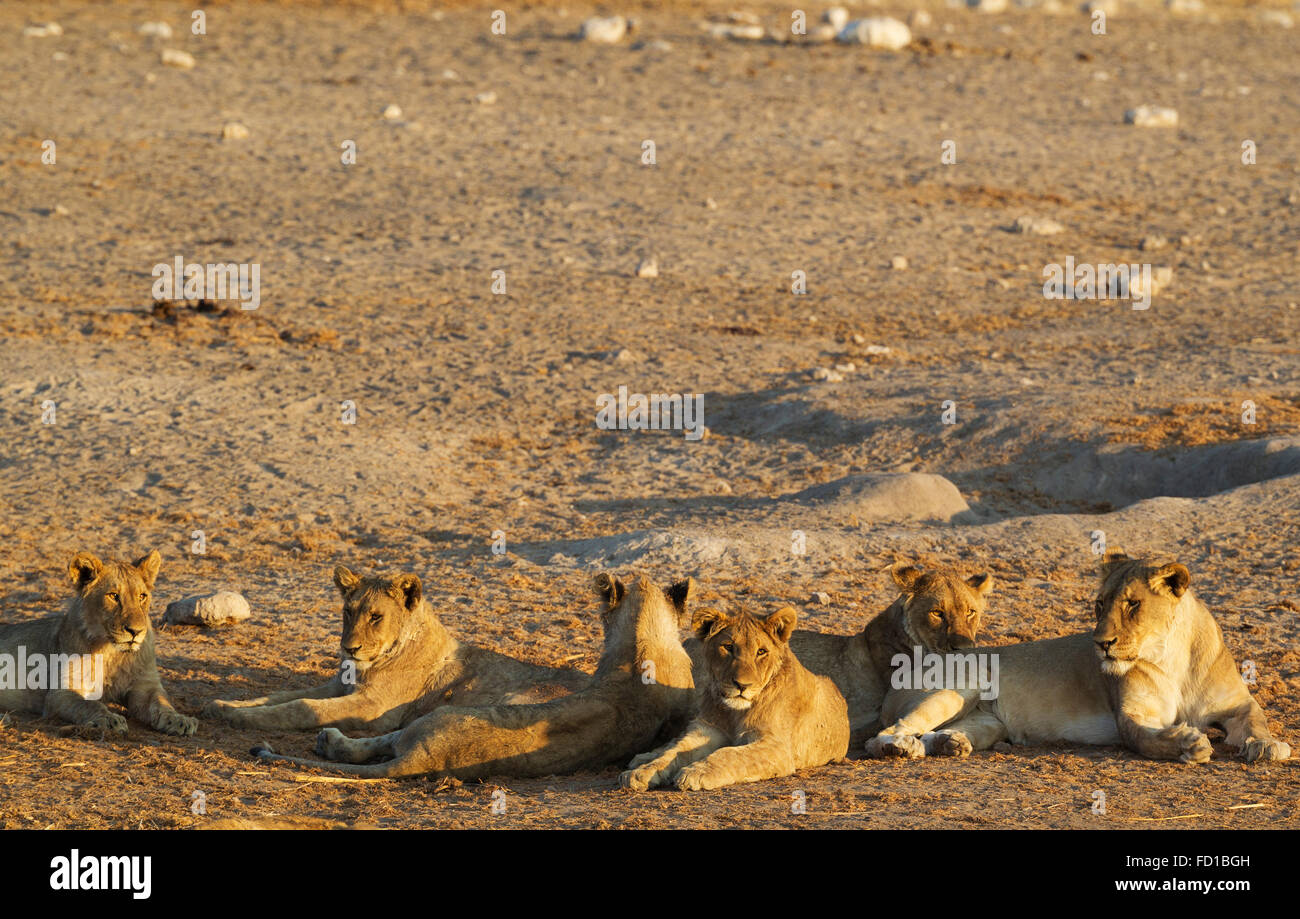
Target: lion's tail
401 767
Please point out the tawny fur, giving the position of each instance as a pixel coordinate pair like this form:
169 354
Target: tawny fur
761 714
108 615
641 687
1153 675
397 663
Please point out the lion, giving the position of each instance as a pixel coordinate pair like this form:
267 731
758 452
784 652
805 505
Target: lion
762 715
642 688
1153 675
938 611
99 651
397 664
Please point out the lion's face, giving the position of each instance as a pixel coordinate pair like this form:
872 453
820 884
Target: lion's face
375 613
941 612
1136 610
113 607
743 652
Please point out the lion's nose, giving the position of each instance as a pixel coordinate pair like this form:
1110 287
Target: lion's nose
352 651
741 686
133 632
1104 643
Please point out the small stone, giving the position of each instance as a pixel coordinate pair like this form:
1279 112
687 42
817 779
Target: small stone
858 339
449 75
233 130
1037 226
61 211
821 374
878 349
1184 7
988 6
710 204
1277 18
486 98
837 17
626 356
43 30
654 44
898 263
742 32
603 30
392 112
877 32
822 33
155 29
1151 116
223 608
919 19
848 367
181 59
648 268
744 18
1152 243
822 598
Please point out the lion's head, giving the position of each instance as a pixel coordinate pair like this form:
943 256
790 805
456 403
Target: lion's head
744 652
376 612
1137 608
112 601
941 611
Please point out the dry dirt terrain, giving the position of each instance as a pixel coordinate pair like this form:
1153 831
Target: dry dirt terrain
476 410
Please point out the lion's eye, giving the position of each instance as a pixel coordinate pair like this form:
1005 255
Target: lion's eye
112 596
1131 606
761 652
375 617
935 617
143 597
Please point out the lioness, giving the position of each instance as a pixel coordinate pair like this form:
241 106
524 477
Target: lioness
100 650
937 611
641 686
397 663
762 715
1153 675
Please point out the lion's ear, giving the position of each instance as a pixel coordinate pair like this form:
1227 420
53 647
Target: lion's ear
708 622
83 569
148 566
610 588
680 596
780 625
1112 559
411 588
981 583
345 580
1172 578
906 576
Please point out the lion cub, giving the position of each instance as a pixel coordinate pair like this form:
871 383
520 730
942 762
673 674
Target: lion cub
762 714
397 664
101 650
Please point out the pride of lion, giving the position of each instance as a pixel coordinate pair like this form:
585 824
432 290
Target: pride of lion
745 697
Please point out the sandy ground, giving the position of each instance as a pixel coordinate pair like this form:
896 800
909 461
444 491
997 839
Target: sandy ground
476 411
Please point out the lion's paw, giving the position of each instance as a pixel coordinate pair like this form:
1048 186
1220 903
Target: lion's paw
1265 751
109 721
693 778
175 723
330 743
947 743
903 746
636 779
1186 743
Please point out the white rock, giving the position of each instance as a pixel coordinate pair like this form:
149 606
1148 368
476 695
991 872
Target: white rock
749 19
1037 226
820 34
1151 116
898 263
648 268
827 376
877 32
878 349
1161 277
43 30
836 16
1279 18
858 339
919 19
392 112
1152 243
848 367
988 6
486 98
1184 7
225 607
604 30
182 59
156 29
737 32
233 130
449 75
821 597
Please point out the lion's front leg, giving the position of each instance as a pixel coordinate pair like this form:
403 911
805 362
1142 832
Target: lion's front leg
67 705
357 712
1145 720
334 745
330 690
977 731
915 713
650 770
752 762
148 704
